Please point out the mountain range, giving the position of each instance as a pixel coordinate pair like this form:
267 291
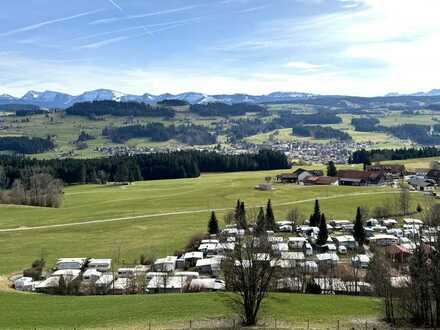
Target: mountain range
52 99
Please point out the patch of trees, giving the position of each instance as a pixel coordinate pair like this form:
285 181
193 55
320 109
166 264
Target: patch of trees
83 137
320 132
113 108
25 145
188 134
173 103
417 133
18 107
35 187
365 157
173 165
365 124
247 127
417 300
289 120
25 113
225 110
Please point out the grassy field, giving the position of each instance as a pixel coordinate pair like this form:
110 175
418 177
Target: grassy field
380 140
66 129
157 217
176 310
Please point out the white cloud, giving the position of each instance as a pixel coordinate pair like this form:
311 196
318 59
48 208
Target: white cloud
305 66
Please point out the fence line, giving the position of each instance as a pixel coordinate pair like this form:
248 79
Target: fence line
269 324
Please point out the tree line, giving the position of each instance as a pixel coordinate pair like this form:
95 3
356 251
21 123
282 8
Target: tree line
25 144
158 132
420 134
367 156
113 108
365 124
35 186
173 165
33 112
289 119
320 132
225 110
242 128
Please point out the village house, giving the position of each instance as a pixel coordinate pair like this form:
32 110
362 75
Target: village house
421 183
390 171
359 178
298 176
320 180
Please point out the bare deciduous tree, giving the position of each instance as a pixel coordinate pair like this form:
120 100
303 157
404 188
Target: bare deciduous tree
37 187
404 201
250 272
379 275
295 216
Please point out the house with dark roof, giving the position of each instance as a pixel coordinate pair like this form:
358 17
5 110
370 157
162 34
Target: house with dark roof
359 178
320 180
390 171
298 175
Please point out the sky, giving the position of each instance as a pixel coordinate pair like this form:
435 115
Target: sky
350 47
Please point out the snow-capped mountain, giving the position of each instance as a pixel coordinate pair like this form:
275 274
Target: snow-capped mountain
99 95
433 92
47 98
6 97
52 99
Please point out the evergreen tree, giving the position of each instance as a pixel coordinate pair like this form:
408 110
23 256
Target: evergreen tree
237 211
331 169
213 228
270 217
315 218
358 229
62 286
323 231
240 215
260 225
243 221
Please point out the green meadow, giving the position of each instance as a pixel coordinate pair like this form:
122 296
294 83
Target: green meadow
157 217
175 311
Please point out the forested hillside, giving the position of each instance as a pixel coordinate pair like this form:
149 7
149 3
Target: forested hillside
113 108
185 164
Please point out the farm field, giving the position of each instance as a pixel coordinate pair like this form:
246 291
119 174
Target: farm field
156 218
176 310
66 129
381 140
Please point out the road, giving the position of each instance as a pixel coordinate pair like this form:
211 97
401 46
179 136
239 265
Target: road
157 215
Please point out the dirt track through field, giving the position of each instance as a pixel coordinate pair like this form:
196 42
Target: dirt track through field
157 215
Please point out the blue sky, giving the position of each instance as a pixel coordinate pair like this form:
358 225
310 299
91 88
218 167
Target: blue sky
358 47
